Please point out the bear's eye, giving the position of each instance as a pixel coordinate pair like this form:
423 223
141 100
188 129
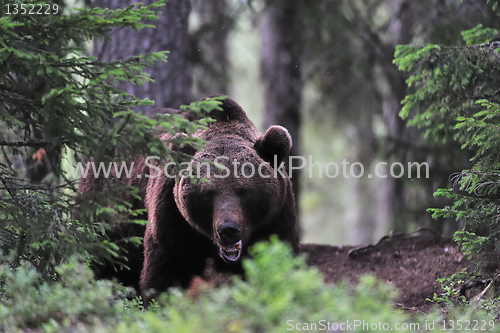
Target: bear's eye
242 192
209 193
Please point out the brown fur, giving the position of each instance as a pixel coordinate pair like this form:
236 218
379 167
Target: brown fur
184 217
190 223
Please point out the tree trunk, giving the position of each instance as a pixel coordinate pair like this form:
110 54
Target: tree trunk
396 192
209 51
172 80
281 72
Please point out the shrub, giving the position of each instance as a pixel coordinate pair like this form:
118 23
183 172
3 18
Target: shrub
58 107
278 294
455 95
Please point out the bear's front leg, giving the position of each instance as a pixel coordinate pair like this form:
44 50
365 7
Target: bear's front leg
173 260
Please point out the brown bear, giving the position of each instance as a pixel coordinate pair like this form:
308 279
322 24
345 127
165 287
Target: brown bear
247 198
126 271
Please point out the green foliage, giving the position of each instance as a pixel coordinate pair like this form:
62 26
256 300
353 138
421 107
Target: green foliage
454 293
58 107
279 294
447 81
28 301
451 290
479 35
456 96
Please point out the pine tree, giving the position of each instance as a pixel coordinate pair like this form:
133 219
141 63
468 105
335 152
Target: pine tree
456 97
53 96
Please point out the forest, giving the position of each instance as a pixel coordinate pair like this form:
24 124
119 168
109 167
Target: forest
391 106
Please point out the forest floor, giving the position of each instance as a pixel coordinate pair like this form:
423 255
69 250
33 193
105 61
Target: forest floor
411 262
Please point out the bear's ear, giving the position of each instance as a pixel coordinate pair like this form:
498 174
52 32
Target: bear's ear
277 141
229 110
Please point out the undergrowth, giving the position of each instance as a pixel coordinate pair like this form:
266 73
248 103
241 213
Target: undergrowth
279 293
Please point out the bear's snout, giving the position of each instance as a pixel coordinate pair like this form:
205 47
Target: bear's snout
229 234
230 244
229 241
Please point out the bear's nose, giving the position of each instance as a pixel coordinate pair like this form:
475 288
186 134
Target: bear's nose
229 234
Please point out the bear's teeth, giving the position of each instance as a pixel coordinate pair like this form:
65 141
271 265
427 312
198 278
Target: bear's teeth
235 248
232 253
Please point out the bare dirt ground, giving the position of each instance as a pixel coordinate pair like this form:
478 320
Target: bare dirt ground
411 262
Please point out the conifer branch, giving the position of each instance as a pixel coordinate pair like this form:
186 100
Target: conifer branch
30 143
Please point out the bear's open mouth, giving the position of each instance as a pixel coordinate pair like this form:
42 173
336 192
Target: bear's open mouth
230 253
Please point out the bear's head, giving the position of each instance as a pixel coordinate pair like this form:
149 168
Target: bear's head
247 185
